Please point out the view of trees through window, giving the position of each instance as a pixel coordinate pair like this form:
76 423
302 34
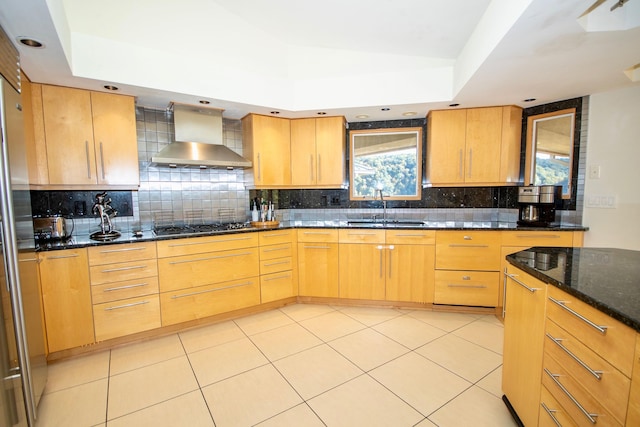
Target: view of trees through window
552 170
395 172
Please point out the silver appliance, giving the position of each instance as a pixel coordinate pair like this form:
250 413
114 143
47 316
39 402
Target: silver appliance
23 367
537 205
48 228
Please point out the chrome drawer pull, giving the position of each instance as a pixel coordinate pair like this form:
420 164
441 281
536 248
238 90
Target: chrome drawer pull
513 277
554 377
207 242
461 245
113 270
119 288
454 285
558 342
288 276
562 304
212 290
468 238
28 260
275 235
551 413
277 263
209 258
133 304
63 256
277 249
123 250
317 247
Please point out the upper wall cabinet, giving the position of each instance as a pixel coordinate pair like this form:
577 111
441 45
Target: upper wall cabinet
86 140
476 146
318 152
266 142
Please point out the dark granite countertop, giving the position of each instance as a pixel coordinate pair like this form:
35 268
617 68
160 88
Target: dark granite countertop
606 279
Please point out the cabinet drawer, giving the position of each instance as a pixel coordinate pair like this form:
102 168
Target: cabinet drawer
276 237
318 235
126 317
361 235
115 291
204 301
277 286
276 251
198 245
552 414
595 374
473 250
110 254
410 237
122 271
203 269
274 265
607 337
478 288
537 238
575 400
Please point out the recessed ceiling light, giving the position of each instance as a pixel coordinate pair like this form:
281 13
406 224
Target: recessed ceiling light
454 104
111 87
321 113
529 100
385 109
409 113
204 101
362 116
275 112
28 41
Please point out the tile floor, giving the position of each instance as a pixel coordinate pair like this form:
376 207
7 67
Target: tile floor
300 365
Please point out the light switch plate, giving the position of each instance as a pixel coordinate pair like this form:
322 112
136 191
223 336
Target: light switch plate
594 172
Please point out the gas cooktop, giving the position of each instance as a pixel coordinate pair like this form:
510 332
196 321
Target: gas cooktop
186 229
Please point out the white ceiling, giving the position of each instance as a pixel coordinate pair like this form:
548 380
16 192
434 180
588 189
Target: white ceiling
348 58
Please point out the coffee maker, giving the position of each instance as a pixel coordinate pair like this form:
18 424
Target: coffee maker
537 205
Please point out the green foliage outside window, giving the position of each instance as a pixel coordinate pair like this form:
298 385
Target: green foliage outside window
396 172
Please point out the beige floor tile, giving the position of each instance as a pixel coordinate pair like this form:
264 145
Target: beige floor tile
491 318
421 383
363 402
492 382
210 336
143 387
445 321
83 405
368 349
332 325
371 315
475 407
425 423
187 410
285 341
145 353
409 331
76 371
225 360
261 322
485 334
462 357
316 370
299 416
250 398
300 312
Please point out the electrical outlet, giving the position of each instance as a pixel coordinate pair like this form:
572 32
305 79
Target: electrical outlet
594 172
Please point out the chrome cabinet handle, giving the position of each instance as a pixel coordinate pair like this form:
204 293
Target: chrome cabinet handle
311 167
460 167
591 417
558 342
455 285
86 150
133 304
277 249
504 293
551 413
209 258
513 277
470 161
63 256
102 160
259 179
380 248
286 276
114 270
467 238
562 304
108 251
391 247
319 167
274 235
271 264
120 288
211 290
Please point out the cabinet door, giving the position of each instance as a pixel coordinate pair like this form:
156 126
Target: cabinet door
69 135
34 139
523 344
330 152
410 273
484 137
362 271
303 152
318 269
446 146
66 297
116 145
271 141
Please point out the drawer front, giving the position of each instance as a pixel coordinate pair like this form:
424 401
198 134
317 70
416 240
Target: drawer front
276 237
99 255
116 291
609 338
276 251
410 237
468 250
361 235
575 400
478 288
203 269
204 301
123 271
552 414
537 238
274 265
277 286
317 235
199 245
126 317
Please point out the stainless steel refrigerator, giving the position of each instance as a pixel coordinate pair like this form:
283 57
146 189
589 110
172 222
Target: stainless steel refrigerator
23 367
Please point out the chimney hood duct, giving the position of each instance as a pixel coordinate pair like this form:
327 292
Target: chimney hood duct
198 141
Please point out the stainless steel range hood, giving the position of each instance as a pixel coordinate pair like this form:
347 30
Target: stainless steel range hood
198 141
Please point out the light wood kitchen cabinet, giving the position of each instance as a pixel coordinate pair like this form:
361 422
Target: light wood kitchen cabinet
66 298
90 139
318 152
633 412
318 274
523 343
277 261
411 265
267 143
34 139
477 146
363 265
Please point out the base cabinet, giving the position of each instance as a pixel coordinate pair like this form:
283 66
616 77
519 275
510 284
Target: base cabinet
277 265
318 263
